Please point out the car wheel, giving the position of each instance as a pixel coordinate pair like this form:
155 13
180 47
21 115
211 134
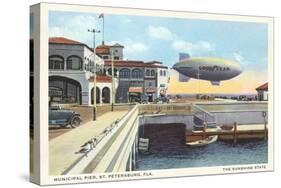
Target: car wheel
75 122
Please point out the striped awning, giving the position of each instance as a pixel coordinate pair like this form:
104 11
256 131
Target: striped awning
135 90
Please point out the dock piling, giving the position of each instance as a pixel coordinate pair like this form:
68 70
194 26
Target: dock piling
235 133
265 131
204 130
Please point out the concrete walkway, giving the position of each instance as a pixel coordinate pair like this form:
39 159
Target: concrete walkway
62 150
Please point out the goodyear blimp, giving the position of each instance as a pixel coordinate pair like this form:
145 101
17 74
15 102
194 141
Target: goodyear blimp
212 69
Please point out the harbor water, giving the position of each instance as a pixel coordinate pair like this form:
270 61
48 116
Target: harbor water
168 150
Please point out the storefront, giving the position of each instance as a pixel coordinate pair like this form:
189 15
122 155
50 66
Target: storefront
64 90
150 93
135 94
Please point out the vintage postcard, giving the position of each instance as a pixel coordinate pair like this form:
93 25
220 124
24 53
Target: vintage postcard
127 94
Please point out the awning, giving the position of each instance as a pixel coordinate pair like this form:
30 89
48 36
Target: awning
135 90
150 90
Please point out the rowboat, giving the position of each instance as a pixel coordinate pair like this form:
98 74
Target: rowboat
203 142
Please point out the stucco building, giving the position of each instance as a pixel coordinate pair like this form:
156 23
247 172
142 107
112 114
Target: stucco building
262 92
106 51
138 80
71 66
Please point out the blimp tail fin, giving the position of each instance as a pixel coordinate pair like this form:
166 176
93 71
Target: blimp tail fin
215 83
183 78
183 56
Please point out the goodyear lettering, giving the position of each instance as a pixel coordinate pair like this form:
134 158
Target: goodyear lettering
214 68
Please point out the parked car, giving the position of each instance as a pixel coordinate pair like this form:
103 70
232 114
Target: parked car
162 100
63 117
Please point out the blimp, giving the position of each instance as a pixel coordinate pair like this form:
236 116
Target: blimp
213 69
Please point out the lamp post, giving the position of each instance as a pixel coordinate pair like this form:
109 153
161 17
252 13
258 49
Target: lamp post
94 31
113 82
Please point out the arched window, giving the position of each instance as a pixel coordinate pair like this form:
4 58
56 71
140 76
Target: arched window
152 72
161 73
106 95
56 62
74 63
164 73
124 73
147 73
137 73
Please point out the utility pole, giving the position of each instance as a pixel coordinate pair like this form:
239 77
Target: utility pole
113 81
94 31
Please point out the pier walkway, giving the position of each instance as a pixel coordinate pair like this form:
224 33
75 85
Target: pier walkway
63 149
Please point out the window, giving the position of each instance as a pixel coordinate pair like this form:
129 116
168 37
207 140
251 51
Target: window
152 72
116 58
147 73
137 73
164 73
105 57
124 73
56 62
161 73
149 84
74 63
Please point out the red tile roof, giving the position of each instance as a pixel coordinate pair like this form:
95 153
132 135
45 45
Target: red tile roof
101 79
62 40
263 87
131 63
154 62
103 49
66 41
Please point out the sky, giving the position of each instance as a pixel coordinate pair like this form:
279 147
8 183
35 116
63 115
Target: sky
162 39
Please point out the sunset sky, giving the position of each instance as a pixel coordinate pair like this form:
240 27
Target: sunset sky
162 39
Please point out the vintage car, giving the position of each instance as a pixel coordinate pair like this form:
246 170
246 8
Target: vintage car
162 100
63 117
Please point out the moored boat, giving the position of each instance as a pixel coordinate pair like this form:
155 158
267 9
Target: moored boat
203 142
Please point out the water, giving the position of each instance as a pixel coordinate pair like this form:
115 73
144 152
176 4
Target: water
168 151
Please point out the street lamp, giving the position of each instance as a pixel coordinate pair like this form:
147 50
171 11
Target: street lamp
94 31
113 81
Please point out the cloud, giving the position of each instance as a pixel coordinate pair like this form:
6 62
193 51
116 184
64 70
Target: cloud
238 57
159 32
132 48
136 47
76 28
56 32
200 47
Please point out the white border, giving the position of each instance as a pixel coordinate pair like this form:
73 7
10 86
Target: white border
45 8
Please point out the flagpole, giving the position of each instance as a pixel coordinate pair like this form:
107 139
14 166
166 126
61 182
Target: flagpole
102 16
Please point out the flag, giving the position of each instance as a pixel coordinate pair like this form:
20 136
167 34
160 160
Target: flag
101 15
